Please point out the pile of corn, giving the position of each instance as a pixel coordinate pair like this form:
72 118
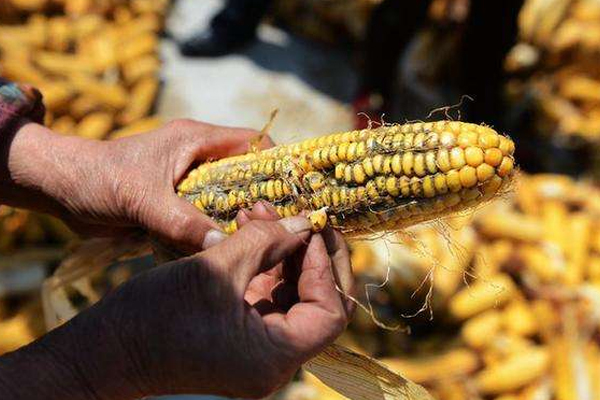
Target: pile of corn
15 9
21 229
555 65
515 299
97 65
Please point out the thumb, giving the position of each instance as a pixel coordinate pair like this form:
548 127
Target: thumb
200 141
259 246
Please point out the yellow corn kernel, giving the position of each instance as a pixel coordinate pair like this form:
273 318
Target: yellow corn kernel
407 163
485 172
474 156
505 167
468 176
457 158
430 162
397 164
340 173
493 156
318 220
489 140
419 166
359 173
428 187
453 181
443 160
439 181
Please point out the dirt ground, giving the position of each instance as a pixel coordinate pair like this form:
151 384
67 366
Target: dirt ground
309 83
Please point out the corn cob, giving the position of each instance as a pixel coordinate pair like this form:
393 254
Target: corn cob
364 181
515 372
423 369
480 330
482 296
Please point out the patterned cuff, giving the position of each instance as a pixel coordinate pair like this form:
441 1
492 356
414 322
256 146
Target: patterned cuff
18 102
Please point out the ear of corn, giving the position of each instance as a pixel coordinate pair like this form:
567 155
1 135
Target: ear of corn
453 363
514 372
363 181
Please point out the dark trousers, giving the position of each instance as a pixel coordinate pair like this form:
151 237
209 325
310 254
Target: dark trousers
391 27
240 16
490 31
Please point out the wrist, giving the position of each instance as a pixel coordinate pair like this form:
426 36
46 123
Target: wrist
40 169
35 369
27 152
80 360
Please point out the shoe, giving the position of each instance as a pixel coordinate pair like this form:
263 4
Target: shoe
213 44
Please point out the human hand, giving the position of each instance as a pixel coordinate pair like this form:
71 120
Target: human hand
236 320
115 187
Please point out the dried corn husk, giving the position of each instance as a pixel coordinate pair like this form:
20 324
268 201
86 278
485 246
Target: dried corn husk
359 377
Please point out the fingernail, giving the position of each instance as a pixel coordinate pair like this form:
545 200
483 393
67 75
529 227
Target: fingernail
259 207
265 207
296 224
213 237
242 217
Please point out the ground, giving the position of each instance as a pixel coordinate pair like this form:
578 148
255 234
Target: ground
310 84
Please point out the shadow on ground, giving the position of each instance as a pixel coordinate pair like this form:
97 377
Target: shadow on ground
327 69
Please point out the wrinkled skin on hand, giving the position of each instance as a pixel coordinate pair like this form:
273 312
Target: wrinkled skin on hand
116 187
237 319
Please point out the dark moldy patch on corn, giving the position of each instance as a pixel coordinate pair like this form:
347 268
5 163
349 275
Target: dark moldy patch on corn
370 180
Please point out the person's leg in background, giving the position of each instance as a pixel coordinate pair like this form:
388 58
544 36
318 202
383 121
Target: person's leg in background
233 27
391 27
490 32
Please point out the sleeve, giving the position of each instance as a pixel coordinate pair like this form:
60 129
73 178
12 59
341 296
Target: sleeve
18 102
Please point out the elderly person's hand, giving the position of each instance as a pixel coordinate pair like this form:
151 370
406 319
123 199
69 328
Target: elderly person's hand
236 320
113 187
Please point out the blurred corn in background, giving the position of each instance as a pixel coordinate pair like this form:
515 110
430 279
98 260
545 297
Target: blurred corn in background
95 62
554 81
555 63
98 68
502 304
514 296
